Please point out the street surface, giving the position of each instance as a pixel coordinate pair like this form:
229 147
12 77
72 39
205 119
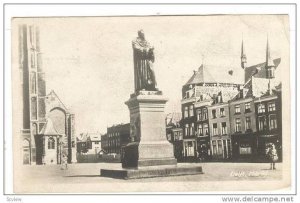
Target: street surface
85 178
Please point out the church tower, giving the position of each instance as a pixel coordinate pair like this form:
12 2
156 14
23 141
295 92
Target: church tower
33 89
270 67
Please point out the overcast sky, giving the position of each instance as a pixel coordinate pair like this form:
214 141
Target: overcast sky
89 61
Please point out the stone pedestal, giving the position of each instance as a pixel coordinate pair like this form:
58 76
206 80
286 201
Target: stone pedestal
150 154
147 124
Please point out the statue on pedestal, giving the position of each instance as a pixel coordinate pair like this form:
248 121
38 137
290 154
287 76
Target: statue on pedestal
143 56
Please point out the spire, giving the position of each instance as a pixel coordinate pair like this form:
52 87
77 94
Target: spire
243 53
269 60
243 56
202 59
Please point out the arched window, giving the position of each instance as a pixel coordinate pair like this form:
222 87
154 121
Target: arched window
51 143
26 144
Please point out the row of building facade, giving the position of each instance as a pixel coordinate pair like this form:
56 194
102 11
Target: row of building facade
230 121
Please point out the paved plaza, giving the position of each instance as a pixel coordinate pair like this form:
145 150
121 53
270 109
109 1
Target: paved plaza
85 178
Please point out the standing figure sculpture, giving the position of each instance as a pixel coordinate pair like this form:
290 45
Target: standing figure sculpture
143 56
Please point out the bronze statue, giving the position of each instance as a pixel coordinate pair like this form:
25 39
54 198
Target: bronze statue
143 56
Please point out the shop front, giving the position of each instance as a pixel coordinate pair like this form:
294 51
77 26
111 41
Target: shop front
244 147
203 149
189 151
264 142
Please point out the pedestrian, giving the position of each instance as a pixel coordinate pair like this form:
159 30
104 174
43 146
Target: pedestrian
64 162
272 156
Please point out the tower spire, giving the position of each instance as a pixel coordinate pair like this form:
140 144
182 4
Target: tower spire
269 60
243 56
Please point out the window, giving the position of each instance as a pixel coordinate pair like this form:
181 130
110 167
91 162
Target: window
186 129
214 147
224 128
238 127
272 106
205 128
51 143
199 115
204 114
33 108
32 59
189 148
213 113
262 123
192 129
248 123
272 122
229 147
247 107
222 112
96 142
220 148
32 83
261 108
215 129
186 113
200 130
187 95
191 110
237 108
245 149
225 149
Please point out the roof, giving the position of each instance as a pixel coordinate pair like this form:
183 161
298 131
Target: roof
261 67
95 136
220 75
82 137
173 118
49 128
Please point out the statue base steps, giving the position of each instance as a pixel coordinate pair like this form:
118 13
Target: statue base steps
151 172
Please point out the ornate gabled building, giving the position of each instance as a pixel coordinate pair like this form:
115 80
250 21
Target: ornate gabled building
219 124
255 112
197 95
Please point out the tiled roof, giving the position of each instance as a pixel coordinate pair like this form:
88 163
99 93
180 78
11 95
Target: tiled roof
261 69
211 74
49 128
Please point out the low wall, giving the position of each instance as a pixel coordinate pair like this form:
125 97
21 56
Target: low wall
97 158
